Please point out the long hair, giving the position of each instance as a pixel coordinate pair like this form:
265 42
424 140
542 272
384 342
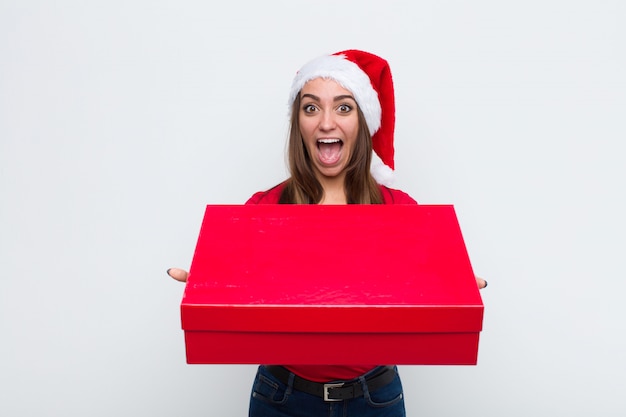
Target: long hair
304 188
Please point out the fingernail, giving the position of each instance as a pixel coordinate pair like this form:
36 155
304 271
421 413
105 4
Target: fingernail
485 284
168 271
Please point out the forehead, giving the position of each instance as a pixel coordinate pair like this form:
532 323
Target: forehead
323 87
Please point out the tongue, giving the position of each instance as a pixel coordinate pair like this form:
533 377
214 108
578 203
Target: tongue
329 152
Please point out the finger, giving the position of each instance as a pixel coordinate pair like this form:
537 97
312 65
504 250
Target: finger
178 274
481 283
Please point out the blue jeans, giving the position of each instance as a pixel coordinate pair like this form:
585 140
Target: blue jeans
271 398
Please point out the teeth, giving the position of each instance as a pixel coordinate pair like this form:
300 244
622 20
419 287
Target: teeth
328 140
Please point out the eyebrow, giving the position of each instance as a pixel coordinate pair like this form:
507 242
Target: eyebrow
336 98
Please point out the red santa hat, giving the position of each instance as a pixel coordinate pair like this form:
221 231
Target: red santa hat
368 78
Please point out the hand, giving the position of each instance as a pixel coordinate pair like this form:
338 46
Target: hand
181 275
481 282
178 274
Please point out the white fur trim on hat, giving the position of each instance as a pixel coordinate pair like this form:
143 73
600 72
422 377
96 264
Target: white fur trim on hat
350 76
381 172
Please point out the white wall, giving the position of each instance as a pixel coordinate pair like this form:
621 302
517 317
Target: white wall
121 120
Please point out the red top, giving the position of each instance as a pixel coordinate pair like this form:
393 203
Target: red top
271 196
328 373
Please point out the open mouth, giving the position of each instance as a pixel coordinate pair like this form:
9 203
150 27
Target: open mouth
329 150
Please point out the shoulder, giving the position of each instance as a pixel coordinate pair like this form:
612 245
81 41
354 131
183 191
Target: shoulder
270 196
393 196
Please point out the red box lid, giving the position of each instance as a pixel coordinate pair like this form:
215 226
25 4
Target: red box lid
343 268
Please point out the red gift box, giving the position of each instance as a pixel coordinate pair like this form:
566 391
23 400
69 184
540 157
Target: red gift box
345 284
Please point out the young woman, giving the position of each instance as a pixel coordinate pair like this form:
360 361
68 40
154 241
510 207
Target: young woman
342 118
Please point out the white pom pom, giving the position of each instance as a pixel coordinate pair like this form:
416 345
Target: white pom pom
381 172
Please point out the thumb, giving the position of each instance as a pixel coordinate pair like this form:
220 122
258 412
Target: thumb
178 274
482 283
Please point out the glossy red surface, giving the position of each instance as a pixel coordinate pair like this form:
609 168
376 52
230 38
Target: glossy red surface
309 284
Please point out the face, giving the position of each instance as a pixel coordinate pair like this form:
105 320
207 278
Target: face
329 125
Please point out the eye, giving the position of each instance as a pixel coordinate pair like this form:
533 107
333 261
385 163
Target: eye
309 108
344 108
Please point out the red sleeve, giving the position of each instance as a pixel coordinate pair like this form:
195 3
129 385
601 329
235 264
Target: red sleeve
256 197
391 196
271 196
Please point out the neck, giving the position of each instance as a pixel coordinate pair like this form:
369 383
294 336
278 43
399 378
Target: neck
334 191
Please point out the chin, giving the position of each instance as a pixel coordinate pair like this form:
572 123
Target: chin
330 172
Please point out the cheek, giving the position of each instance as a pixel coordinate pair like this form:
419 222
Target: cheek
307 128
352 129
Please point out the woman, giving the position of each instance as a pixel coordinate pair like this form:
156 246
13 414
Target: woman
342 117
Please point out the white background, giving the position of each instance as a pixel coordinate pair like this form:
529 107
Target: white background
121 120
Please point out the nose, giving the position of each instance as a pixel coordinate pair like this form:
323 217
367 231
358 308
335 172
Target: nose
327 121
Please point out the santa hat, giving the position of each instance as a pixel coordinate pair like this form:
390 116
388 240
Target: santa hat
368 78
